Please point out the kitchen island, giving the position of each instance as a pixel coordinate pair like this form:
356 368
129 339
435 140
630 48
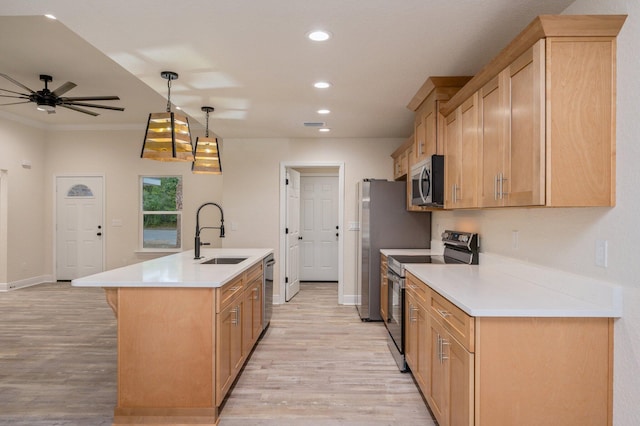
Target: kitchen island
185 329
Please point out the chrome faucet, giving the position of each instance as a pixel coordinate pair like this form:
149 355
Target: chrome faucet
198 228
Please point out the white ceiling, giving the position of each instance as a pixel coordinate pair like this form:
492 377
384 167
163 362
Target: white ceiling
251 60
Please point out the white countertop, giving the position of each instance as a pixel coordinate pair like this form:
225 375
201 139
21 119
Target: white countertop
500 287
177 270
410 252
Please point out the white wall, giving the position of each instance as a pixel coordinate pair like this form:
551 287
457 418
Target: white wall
116 155
251 186
26 254
565 238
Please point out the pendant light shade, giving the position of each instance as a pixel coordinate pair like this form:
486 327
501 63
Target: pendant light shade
206 152
168 136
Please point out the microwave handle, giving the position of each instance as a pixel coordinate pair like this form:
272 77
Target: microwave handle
422 173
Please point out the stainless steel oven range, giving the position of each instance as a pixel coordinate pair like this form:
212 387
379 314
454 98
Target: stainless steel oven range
459 247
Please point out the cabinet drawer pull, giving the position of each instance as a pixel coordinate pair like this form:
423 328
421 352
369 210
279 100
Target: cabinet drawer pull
443 313
234 288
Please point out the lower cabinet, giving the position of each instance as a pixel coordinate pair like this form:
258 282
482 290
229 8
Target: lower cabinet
252 315
450 391
493 371
229 351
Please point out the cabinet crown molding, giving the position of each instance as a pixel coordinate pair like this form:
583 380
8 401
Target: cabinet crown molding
541 27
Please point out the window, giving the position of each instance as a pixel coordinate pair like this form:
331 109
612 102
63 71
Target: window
161 206
80 190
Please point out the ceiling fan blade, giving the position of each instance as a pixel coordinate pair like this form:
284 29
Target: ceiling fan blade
64 88
17 93
91 98
75 108
17 83
16 97
93 106
16 103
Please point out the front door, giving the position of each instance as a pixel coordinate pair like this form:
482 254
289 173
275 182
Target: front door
319 228
293 232
79 226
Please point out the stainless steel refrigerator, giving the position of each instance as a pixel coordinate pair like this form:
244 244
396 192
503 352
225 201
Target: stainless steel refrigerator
384 223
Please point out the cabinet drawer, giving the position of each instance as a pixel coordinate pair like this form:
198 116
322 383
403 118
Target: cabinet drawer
228 292
454 320
419 289
254 272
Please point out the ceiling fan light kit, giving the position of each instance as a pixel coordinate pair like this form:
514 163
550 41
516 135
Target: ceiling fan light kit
46 100
206 153
168 136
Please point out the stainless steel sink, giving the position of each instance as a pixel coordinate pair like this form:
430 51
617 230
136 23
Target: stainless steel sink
224 260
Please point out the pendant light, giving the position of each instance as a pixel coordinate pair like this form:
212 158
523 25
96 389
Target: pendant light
168 137
206 152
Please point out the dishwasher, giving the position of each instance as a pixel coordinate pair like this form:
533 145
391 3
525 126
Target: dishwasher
267 290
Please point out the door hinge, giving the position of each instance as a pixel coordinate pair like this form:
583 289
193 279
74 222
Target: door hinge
286 280
286 230
286 182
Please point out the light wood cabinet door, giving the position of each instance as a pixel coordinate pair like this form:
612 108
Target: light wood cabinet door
451 388
251 316
461 156
491 144
410 332
522 182
228 347
438 383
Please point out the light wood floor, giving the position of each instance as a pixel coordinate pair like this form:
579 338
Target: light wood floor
317 364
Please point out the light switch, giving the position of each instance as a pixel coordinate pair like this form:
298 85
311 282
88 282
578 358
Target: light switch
602 248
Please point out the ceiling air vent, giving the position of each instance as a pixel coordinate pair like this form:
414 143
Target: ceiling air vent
314 124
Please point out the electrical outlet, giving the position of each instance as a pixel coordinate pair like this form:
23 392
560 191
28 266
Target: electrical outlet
602 248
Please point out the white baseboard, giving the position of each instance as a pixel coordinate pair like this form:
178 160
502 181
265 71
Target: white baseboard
27 282
350 299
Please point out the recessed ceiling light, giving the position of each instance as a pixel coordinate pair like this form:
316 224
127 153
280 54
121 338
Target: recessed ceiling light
319 35
324 129
321 85
323 111
50 16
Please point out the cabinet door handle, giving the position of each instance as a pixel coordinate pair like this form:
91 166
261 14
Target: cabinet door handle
443 343
255 291
439 348
502 179
495 187
234 320
412 309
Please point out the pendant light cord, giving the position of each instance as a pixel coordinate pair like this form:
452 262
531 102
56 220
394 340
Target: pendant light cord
169 95
206 132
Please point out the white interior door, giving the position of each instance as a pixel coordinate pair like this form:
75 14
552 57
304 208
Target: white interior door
293 232
79 226
319 228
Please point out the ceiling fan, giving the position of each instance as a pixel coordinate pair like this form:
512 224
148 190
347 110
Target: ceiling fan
47 100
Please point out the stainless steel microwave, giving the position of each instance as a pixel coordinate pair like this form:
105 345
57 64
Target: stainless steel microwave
427 182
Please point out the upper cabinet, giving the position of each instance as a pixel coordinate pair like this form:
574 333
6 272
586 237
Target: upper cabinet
461 156
401 160
428 139
545 111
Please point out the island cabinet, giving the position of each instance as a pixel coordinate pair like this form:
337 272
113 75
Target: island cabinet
546 113
494 370
180 349
384 289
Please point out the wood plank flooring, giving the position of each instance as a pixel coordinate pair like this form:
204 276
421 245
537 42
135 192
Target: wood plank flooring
317 364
